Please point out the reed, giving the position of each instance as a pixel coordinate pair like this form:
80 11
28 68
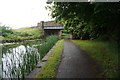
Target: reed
17 63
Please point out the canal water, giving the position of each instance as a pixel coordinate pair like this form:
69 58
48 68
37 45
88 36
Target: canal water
18 60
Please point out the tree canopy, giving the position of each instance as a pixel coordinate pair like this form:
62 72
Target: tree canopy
88 20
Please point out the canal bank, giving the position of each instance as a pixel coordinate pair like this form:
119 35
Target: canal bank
19 60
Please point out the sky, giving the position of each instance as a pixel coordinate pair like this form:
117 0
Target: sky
23 13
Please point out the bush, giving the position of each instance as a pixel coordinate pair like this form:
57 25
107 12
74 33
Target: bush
25 34
5 30
12 36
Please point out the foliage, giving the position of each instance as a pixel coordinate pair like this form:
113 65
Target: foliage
4 31
65 31
48 71
88 20
103 52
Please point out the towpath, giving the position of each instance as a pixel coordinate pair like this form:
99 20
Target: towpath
76 63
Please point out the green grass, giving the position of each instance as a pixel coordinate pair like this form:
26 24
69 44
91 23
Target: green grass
66 35
1 38
48 71
28 30
34 32
103 52
23 33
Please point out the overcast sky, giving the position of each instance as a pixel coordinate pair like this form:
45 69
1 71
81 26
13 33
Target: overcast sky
23 13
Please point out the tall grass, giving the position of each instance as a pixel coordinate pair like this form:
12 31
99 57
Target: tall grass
46 45
17 63
49 70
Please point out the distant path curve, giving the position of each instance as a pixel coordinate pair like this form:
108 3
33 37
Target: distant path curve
76 63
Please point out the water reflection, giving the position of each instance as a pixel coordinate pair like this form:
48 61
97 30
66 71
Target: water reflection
19 61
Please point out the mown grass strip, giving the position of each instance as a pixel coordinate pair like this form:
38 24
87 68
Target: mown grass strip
103 52
49 70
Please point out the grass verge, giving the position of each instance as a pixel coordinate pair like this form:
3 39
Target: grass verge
103 52
49 70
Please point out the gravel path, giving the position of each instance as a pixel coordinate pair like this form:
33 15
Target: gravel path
76 63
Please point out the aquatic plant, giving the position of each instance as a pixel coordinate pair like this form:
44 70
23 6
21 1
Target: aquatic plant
19 61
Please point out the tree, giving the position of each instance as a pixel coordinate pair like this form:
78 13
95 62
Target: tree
88 21
5 30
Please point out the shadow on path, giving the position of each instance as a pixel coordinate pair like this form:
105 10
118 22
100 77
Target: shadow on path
76 63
